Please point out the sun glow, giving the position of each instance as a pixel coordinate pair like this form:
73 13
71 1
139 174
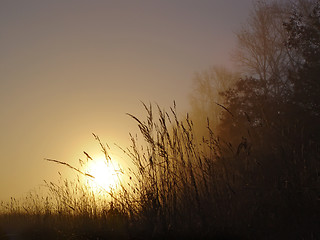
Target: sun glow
105 175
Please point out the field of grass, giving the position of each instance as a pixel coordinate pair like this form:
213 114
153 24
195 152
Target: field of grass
182 186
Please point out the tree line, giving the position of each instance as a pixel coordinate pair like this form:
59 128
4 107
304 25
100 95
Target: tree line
267 113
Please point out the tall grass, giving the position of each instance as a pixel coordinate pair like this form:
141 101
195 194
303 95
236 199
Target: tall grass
183 185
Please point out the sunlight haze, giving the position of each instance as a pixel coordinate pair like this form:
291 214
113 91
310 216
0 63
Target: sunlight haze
72 68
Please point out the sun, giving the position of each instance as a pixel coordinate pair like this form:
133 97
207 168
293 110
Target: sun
105 175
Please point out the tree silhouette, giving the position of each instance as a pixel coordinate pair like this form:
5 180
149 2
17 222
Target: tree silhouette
304 38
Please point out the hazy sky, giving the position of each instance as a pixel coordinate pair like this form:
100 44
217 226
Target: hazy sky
70 68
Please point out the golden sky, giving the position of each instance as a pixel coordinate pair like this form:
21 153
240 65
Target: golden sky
72 67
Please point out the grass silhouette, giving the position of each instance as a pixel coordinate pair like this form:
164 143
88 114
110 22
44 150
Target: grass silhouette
181 186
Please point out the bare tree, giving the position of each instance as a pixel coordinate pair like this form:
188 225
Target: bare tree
261 51
206 97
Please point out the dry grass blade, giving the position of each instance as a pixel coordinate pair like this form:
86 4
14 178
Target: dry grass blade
220 105
88 156
69 166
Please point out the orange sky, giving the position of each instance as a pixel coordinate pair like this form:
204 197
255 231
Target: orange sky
70 68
